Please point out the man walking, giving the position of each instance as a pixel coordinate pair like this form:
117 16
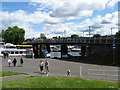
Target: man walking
47 67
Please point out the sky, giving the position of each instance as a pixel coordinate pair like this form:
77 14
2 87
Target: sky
60 17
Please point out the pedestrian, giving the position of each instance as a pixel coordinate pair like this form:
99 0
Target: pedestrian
21 61
9 61
4 54
41 66
47 67
14 62
7 54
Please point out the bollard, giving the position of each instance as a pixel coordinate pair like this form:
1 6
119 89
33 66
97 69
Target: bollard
68 73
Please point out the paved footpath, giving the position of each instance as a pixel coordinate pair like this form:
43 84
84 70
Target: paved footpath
60 67
13 77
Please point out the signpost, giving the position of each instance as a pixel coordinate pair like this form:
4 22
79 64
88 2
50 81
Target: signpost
114 46
45 51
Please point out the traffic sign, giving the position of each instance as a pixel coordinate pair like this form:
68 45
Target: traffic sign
114 45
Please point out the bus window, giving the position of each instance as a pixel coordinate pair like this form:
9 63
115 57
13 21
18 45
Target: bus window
16 52
2 52
12 52
21 52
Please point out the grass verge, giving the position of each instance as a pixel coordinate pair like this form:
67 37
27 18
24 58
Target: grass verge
3 73
57 82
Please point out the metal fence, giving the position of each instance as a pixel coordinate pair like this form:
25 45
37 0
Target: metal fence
102 40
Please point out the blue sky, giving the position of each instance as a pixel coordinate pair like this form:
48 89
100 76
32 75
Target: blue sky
33 17
15 6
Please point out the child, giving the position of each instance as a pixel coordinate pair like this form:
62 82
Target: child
9 61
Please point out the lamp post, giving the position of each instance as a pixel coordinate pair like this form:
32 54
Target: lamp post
111 31
89 30
64 33
48 36
83 33
114 47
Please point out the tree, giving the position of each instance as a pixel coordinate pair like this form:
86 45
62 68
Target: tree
42 36
117 34
97 35
74 36
14 35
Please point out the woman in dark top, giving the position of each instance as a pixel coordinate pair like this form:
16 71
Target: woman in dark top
21 61
14 62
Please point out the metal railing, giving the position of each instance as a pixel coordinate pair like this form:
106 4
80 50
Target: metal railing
102 40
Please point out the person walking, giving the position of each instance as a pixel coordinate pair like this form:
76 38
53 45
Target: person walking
47 67
9 61
21 61
14 62
4 54
41 66
7 54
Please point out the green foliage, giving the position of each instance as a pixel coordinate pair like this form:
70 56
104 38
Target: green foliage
74 36
42 36
13 35
97 35
117 34
57 82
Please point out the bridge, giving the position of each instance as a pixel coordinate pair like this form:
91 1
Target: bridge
103 40
104 46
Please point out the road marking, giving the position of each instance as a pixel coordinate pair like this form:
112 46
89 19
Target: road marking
80 71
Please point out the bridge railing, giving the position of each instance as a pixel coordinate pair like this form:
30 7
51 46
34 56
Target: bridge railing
102 40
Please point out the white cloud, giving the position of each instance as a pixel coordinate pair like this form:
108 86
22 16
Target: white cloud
24 20
41 18
72 9
112 3
59 11
95 23
17 18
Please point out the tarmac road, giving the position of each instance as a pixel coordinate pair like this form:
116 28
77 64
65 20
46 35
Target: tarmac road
60 68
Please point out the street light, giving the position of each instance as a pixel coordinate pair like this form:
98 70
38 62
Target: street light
83 33
89 30
111 31
48 36
64 33
114 48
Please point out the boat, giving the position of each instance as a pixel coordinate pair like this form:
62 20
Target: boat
12 50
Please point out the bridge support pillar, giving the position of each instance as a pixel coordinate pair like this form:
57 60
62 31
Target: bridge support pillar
87 53
64 49
48 48
35 51
83 51
40 51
